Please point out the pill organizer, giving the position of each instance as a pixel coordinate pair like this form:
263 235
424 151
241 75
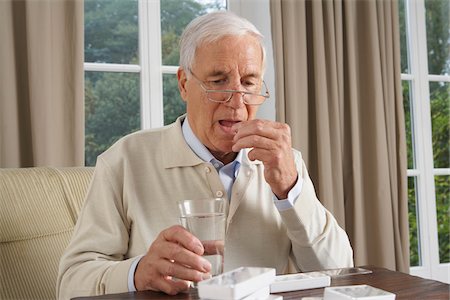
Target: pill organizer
236 284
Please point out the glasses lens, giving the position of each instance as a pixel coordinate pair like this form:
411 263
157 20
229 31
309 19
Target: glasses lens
219 96
253 99
225 96
252 96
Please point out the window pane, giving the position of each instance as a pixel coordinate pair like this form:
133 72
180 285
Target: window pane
413 223
442 187
175 15
111 31
440 120
407 106
438 36
173 104
112 110
403 40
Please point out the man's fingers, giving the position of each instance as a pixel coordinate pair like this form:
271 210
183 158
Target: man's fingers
262 134
176 270
181 255
266 156
254 127
265 128
175 253
178 234
169 286
254 141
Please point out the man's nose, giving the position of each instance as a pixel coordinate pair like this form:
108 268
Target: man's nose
237 100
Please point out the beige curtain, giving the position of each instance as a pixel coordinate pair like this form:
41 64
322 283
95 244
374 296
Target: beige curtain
338 87
41 83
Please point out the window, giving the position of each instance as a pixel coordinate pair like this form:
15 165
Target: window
131 58
425 63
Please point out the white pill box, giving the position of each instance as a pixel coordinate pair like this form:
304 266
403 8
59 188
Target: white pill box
299 281
263 294
356 292
236 284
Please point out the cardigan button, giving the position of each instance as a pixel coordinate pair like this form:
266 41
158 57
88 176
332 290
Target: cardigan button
207 170
219 194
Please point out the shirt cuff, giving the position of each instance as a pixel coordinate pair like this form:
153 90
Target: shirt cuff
294 193
131 287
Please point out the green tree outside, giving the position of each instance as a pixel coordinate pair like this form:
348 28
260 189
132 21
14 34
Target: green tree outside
112 110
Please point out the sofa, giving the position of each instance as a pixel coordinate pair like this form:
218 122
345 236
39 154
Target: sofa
39 208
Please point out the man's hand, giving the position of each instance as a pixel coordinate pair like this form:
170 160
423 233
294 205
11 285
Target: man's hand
175 253
271 143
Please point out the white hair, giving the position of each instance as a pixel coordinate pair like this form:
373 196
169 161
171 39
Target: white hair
210 28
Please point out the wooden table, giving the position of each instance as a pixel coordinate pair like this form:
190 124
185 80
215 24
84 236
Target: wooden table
403 285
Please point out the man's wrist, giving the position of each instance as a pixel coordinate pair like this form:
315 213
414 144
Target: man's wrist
292 196
131 272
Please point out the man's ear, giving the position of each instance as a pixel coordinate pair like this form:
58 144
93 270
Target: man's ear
182 79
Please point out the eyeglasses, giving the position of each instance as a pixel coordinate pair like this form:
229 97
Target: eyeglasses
255 97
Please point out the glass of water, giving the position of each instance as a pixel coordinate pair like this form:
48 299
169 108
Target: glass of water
206 219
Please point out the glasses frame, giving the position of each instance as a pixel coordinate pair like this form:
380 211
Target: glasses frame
266 95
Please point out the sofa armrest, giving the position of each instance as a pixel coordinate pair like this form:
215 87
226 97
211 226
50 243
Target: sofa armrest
39 210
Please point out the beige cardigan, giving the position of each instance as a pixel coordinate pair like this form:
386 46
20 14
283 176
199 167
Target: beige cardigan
133 197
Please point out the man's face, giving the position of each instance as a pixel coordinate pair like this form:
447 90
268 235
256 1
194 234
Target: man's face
236 61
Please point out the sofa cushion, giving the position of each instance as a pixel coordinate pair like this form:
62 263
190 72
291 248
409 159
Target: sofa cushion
39 208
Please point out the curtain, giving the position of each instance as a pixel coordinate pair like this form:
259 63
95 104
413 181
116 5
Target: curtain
41 83
337 69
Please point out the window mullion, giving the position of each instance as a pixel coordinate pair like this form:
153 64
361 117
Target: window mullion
445 78
107 67
426 126
150 60
422 217
422 117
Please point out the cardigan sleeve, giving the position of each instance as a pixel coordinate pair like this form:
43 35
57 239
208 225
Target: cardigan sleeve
94 262
318 242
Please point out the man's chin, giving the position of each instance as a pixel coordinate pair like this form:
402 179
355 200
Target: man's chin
223 149
224 141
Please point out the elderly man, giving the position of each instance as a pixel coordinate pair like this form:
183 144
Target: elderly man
126 237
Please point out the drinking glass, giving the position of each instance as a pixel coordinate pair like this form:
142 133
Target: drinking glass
206 219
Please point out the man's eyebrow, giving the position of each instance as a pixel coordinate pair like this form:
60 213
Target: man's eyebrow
218 73
252 75
215 73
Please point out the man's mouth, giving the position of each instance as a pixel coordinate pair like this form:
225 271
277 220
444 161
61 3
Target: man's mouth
227 124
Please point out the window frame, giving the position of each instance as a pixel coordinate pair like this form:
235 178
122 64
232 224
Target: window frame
424 170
